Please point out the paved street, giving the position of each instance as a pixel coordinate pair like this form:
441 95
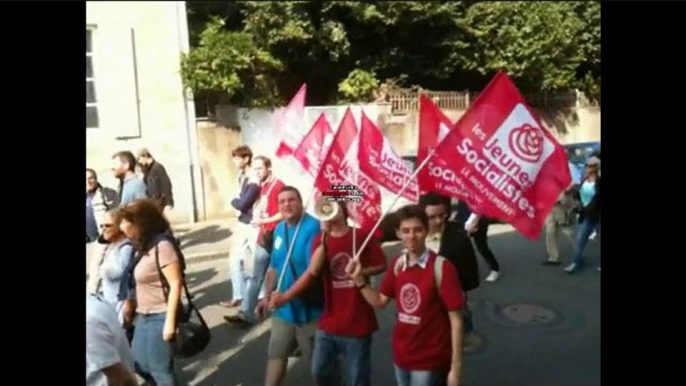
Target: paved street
536 326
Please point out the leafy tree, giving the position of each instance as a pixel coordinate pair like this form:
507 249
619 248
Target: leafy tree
228 66
342 49
359 86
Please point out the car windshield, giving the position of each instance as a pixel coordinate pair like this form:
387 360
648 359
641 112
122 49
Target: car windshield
578 154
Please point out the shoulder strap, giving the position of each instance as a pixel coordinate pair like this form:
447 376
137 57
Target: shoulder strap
438 270
398 265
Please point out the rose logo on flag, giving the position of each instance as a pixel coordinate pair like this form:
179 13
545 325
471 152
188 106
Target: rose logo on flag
410 299
338 264
527 143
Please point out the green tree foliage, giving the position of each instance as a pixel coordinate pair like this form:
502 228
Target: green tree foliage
359 86
228 64
343 49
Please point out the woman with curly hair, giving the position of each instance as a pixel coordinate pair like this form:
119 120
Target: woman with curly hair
158 282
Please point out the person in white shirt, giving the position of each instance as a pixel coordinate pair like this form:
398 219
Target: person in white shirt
109 361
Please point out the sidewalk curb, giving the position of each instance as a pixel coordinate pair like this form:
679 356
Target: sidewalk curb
204 257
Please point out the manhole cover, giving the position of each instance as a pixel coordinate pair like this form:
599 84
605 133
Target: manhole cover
528 313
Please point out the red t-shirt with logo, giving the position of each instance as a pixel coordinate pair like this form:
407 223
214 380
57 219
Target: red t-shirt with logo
421 337
272 204
346 312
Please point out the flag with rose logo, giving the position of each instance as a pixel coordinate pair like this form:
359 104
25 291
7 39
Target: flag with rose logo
501 160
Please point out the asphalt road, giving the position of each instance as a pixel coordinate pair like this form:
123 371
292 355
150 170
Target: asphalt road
536 326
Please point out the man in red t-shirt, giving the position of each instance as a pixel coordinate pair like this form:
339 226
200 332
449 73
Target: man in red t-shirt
265 218
348 321
427 338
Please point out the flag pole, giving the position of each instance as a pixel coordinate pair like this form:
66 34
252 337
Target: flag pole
395 199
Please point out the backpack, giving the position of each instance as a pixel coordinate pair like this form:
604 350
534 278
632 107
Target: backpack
438 269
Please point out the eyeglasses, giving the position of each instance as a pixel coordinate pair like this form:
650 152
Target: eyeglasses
106 226
592 166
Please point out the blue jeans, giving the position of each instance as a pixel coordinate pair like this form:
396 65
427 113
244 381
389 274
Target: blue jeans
254 281
468 322
354 367
237 276
152 355
583 232
420 377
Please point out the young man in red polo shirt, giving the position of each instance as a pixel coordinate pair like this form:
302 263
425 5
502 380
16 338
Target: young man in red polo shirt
265 218
427 338
348 321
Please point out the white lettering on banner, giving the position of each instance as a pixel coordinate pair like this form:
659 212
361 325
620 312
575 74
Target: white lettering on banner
345 175
505 183
409 319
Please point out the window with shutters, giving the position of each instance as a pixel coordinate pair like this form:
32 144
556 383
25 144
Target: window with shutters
92 120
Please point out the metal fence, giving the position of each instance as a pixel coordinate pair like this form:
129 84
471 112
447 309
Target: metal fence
405 101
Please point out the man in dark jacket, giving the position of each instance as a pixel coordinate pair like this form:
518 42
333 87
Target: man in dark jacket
450 240
477 227
244 235
156 179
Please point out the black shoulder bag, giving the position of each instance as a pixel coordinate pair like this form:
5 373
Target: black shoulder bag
192 337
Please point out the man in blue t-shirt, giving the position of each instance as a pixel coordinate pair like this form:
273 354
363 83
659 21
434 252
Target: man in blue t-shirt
295 322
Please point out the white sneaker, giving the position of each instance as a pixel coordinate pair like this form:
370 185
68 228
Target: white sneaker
493 276
571 268
593 236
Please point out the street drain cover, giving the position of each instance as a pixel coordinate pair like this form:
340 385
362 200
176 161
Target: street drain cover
528 314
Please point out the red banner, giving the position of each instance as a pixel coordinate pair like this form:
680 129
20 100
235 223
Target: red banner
433 127
501 153
288 124
313 148
381 163
339 171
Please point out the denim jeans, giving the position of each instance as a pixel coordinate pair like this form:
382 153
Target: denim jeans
254 281
237 276
152 355
420 377
583 232
352 369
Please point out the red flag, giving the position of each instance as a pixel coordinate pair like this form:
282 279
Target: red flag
339 170
501 153
313 148
381 163
433 127
288 124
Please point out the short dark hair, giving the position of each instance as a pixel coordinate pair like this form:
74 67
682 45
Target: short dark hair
266 161
242 151
127 156
144 152
289 188
91 171
433 199
410 212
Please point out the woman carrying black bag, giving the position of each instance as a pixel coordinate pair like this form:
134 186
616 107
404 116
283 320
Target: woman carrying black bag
159 313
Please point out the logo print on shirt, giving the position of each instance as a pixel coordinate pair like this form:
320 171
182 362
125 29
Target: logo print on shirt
277 242
338 264
410 299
